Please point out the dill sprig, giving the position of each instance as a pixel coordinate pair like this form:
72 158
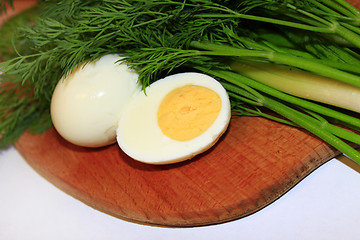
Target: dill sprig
4 5
8 31
161 37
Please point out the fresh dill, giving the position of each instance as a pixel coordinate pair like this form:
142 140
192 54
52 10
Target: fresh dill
4 5
161 37
8 32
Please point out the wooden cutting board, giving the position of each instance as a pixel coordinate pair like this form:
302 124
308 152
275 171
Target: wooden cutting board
252 165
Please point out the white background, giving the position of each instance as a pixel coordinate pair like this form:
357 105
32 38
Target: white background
326 205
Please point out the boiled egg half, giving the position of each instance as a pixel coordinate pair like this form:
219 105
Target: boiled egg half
174 119
87 104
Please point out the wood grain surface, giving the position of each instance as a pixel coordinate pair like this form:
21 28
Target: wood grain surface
252 165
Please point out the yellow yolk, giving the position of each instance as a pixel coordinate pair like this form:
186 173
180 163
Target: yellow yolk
188 111
156 123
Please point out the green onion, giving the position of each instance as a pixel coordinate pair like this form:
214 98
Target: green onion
302 84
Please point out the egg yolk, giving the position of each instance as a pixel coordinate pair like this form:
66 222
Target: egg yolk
188 111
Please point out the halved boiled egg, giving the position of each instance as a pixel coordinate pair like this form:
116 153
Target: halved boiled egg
87 105
175 119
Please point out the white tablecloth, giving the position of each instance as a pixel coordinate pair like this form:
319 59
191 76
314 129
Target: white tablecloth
326 205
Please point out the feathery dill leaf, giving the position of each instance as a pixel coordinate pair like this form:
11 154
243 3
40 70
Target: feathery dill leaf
8 31
161 37
3 5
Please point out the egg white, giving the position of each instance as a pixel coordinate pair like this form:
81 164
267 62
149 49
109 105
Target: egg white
86 105
140 136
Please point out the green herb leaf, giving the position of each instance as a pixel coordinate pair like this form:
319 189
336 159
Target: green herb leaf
162 37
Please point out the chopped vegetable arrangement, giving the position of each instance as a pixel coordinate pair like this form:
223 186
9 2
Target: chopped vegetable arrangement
295 62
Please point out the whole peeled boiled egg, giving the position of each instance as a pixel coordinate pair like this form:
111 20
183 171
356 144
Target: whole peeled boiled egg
87 104
174 119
